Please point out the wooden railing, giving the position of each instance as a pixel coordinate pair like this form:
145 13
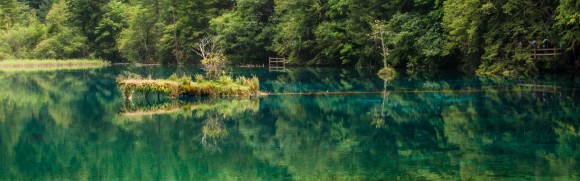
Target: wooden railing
542 52
277 64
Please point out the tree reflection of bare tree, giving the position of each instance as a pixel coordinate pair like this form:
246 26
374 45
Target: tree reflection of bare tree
214 130
379 117
214 112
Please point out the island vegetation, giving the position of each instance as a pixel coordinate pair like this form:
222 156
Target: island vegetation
483 37
218 84
175 86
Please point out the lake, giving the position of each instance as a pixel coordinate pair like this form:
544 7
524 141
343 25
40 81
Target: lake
75 125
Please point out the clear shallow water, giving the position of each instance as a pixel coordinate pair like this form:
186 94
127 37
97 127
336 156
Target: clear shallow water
75 125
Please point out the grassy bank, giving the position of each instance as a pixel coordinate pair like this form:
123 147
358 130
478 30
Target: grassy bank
50 64
48 69
174 86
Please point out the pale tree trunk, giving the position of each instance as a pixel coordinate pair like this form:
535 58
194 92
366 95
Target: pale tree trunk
385 52
379 33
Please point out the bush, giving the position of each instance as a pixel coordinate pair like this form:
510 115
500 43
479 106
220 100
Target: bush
18 42
173 77
64 44
199 78
213 64
387 73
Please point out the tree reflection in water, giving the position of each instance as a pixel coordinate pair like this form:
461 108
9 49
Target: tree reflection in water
74 125
213 129
213 112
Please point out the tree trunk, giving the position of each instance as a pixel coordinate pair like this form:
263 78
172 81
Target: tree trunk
385 52
156 9
177 47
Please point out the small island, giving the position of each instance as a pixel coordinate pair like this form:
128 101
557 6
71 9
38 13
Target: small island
174 86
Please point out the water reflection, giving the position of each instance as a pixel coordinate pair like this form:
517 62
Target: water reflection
75 125
212 111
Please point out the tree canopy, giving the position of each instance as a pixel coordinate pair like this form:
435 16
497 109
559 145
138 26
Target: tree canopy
486 37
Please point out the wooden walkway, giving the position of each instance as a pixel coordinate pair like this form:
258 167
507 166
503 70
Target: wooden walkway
277 64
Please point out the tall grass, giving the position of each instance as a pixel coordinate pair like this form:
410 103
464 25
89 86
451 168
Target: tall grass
38 65
50 62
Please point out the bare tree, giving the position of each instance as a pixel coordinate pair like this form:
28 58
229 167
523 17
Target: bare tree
380 33
214 131
213 60
205 47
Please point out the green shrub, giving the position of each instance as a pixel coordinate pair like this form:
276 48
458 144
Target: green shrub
18 42
185 79
199 78
173 77
213 64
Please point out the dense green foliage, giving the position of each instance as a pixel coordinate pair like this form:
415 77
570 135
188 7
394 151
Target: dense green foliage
487 37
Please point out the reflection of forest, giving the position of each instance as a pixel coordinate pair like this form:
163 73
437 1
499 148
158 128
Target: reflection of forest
500 129
85 133
42 121
92 141
323 79
212 112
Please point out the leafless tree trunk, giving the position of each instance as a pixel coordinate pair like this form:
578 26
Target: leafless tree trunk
205 47
213 59
380 33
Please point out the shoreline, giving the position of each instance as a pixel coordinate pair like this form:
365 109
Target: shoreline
50 64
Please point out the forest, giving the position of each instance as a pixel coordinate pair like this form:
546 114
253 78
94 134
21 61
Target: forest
483 37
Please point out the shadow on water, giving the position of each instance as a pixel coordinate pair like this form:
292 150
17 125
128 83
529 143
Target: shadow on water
75 125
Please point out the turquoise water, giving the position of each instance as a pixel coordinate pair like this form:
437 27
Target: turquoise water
75 125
